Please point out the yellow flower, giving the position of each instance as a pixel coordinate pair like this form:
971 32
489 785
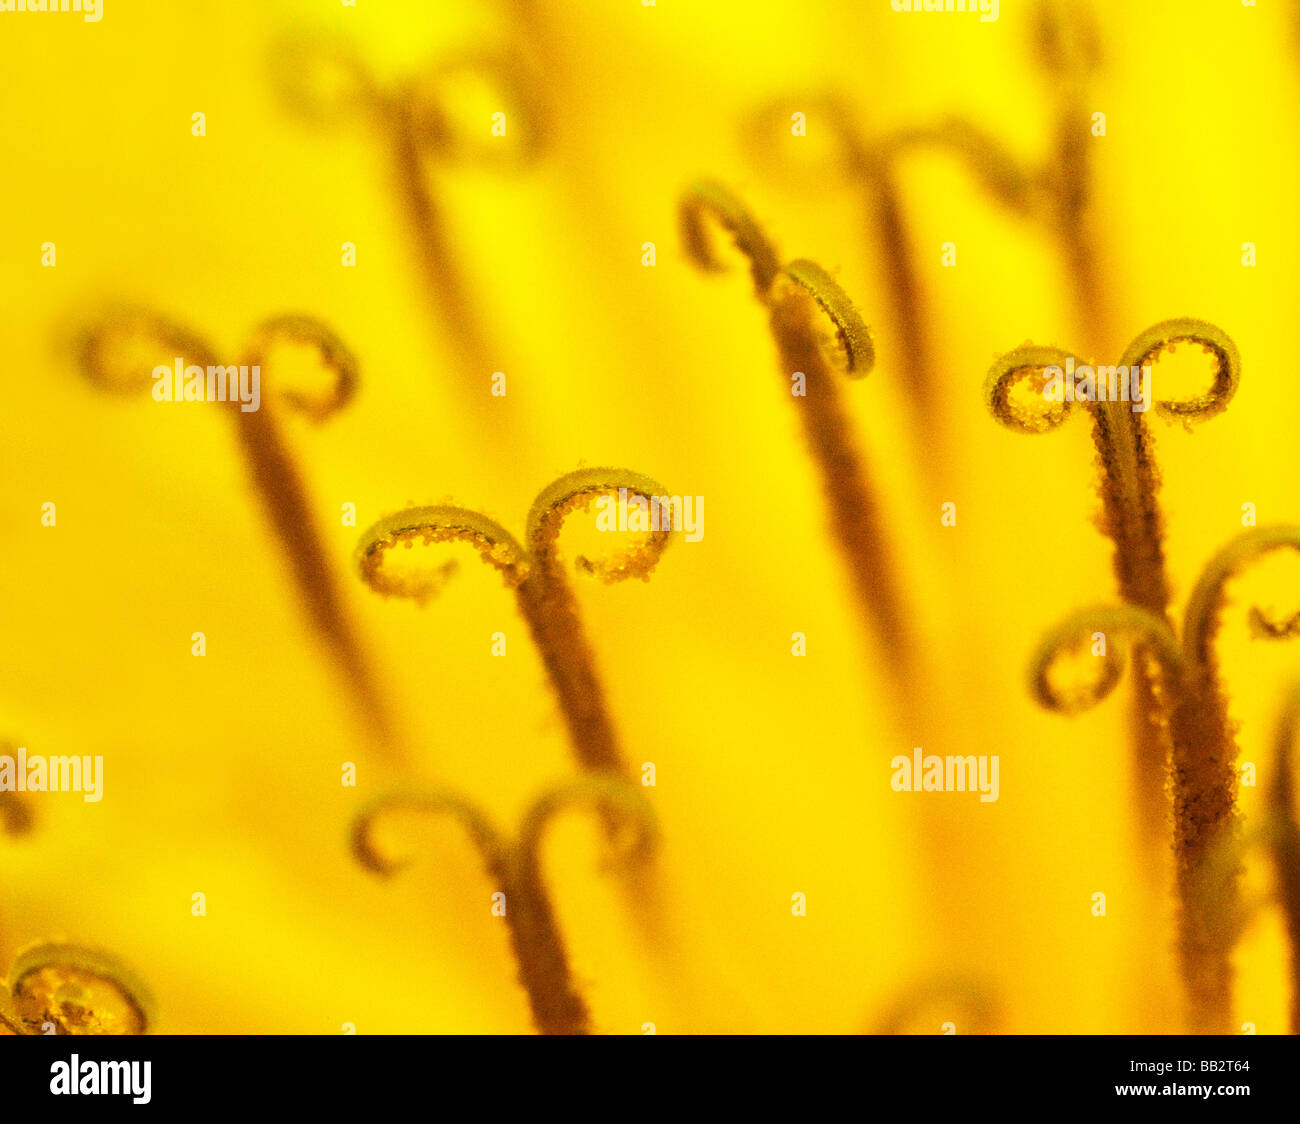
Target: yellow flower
482 206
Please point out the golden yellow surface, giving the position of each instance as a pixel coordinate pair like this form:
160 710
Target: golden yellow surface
222 773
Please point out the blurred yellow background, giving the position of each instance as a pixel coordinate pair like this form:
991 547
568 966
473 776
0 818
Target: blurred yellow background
222 774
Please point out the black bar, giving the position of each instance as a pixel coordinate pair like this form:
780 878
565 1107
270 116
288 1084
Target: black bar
366 1073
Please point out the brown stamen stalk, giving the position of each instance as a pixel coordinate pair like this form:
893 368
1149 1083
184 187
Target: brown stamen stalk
446 291
1205 780
1285 839
515 867
1057 194
859 522
870 166
883 203
794 298
1278 832
324 81
108 360
539 579
1129 486
1203 759
1149 633
1069 53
